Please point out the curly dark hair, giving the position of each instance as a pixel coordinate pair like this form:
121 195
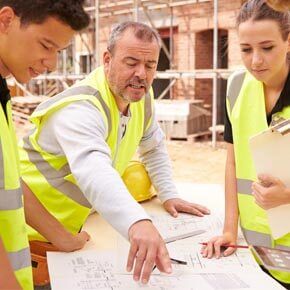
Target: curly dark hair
71 12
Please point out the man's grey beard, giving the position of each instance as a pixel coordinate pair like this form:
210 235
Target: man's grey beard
131 101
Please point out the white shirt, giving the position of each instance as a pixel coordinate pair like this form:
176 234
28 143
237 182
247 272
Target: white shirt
78 131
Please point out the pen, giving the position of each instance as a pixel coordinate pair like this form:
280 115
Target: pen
230 246
175 262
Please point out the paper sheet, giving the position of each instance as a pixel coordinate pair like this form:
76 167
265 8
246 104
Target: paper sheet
189 250
170 227
89 270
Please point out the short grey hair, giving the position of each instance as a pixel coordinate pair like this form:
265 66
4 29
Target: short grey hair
141 31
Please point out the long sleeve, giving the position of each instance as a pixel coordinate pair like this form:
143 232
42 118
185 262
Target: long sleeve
78 131
153 154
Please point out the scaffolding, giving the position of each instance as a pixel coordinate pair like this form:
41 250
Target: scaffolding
74 65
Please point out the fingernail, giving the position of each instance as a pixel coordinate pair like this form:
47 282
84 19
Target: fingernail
128 269
169 270
136 278
144 281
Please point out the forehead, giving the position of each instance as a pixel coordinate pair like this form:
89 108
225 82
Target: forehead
258 31
129 45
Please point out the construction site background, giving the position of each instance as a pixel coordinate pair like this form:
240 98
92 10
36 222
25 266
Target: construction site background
200 49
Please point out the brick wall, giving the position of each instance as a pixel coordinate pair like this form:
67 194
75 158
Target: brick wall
192 42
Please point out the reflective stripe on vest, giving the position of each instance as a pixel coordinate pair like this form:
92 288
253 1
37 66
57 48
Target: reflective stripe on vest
52 175
244 186
87 90
20 259
74 91
1 167
235 87
10 198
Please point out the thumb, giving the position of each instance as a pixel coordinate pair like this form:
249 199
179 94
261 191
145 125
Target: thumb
84 235
229 251
171 209
267 180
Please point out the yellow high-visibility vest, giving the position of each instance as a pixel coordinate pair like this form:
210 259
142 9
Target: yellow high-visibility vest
49 176
247 112
12 220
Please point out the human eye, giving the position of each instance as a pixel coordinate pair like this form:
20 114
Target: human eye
131 64
44 45
246 49
150 66
268 48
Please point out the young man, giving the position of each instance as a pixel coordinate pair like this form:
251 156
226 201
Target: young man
84 139
31 34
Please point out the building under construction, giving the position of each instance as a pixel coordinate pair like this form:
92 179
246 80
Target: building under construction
199 50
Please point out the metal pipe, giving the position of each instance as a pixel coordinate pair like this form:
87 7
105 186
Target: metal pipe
161 96
97 24
171 47
153 25
136 11
215 66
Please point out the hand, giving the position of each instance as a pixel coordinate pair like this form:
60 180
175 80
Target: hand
214 245
147 249
176 205
70 242
270 192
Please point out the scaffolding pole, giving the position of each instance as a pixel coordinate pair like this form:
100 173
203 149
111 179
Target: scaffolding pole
215 66
171 49
136 11
97 24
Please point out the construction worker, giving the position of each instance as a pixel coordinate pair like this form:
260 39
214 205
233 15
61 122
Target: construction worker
84 138
256 99
31 34
280 5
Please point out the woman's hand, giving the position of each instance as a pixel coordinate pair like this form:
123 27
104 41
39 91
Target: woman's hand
216 245
270 192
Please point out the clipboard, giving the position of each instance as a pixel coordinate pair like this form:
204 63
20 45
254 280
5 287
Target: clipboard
271 155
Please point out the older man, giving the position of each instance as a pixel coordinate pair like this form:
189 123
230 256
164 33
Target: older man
85 137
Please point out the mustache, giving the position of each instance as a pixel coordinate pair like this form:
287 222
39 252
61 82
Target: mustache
137 81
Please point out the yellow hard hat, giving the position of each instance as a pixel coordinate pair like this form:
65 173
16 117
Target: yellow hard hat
137 181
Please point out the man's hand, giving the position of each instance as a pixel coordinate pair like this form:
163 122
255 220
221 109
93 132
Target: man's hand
270 192
70 242
176 205
147 249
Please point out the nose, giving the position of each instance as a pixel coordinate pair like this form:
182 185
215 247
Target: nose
50 62
140 72
257 59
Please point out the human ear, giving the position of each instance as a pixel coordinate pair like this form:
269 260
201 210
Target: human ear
107 58
7 15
